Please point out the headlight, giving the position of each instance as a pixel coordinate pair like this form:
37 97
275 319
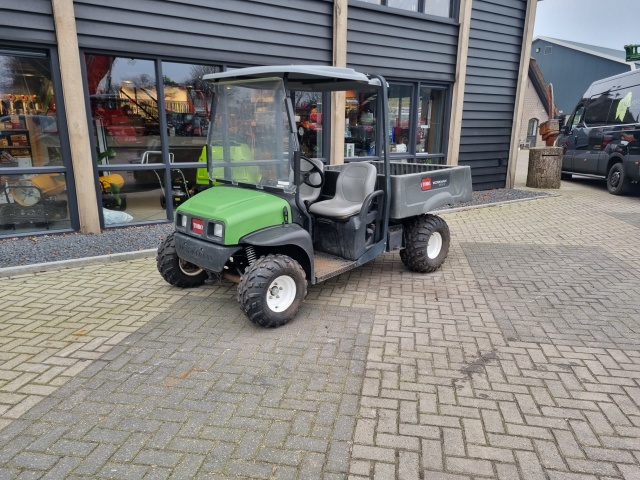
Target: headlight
218 230
182 220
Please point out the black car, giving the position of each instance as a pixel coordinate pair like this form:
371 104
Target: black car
602 135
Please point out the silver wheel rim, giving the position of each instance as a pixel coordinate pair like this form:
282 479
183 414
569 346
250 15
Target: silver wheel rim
281 293
435 245
189 269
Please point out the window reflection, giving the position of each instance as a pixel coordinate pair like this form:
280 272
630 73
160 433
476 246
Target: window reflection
187 100
30 203
28 127
399 117
431 118
125 201
124 108
29 138
360 128
404 4
440 8
309 116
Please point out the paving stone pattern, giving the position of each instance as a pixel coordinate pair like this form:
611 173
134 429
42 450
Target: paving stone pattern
518 359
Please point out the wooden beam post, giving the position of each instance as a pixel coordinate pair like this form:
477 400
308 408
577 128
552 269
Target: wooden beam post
525 58
338 98
457 101
74 103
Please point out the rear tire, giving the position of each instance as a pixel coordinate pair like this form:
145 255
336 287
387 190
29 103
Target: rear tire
176 271
272 290
617 182
427 239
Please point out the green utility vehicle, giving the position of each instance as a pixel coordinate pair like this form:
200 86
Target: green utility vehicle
277 221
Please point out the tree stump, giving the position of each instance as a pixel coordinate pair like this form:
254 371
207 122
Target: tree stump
545 166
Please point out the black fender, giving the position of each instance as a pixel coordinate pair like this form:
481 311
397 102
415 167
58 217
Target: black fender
290 239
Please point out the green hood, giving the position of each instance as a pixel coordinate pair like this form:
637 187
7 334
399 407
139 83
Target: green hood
241 210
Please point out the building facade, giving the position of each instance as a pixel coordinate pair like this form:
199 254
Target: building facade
535 111
571 67
103 107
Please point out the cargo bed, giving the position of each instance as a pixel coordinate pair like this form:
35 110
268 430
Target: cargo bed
418 188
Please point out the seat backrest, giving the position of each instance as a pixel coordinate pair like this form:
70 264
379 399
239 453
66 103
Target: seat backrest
307 193
355 181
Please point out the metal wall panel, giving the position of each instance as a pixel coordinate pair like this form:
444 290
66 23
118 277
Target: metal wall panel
572 71
401 45
495 39
242 32
27 21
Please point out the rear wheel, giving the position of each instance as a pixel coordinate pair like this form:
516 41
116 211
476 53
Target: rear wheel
427 241
272 290
176 271
617 182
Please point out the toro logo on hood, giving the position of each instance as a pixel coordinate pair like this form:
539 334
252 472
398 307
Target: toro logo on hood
426 183
197 226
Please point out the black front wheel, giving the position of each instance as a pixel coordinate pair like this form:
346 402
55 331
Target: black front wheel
271 290
427 241
617 182
176 271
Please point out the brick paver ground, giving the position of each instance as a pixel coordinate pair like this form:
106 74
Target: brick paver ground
520 358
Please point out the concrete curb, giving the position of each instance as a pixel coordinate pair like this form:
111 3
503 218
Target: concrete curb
74 263
36 268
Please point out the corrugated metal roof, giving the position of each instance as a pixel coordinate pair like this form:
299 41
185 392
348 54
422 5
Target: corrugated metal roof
608 53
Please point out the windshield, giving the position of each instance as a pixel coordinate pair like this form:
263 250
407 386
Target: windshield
251 141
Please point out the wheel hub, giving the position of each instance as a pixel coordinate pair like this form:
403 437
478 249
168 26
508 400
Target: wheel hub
434 245
281 293
189 268
615 179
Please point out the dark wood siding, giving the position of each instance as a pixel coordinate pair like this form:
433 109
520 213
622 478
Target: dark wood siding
27 21
495 40
243 32
401 45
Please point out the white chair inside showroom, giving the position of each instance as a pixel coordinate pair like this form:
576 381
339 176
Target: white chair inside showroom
355 181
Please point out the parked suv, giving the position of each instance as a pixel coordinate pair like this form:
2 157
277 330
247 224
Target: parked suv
602 135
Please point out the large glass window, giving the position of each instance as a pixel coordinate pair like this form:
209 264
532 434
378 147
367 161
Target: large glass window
309 116
440 8
399 117
416 122
430 130
123 96
136 181
33 187
361 118
404 4
187 100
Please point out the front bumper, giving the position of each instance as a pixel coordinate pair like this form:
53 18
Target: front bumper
207 255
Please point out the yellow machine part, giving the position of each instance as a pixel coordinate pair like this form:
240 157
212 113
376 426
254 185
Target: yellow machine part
108 180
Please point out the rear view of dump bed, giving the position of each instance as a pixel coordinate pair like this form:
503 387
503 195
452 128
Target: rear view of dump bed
418 188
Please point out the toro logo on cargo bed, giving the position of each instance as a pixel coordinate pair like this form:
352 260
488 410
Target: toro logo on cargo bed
429 183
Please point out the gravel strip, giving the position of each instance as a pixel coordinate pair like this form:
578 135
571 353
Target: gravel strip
51 248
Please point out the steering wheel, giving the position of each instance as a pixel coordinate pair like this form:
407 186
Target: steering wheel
306 175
